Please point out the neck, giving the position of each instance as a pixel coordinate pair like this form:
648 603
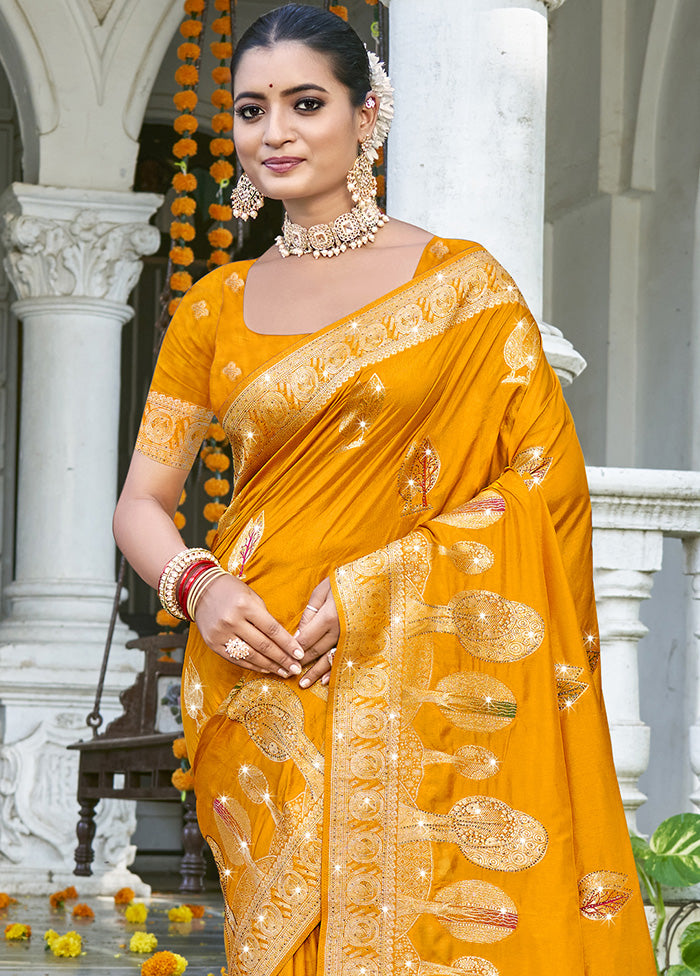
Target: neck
319 210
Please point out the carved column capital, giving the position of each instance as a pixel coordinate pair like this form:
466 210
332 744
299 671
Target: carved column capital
553 4
64 243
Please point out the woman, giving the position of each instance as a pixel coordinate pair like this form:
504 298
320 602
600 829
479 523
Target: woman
438 794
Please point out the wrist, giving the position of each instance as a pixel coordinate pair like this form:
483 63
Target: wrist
180 576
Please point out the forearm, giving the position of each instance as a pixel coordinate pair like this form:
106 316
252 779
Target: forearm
147 536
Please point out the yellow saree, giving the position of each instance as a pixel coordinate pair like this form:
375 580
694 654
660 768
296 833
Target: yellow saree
449 803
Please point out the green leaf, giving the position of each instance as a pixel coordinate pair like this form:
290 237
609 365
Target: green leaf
673 854
690 946
681 971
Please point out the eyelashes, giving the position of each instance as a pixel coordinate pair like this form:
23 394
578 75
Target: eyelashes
306 106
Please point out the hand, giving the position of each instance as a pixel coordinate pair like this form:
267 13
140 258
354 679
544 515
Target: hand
228 608
318 633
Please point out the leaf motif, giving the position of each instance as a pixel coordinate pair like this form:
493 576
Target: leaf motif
483 510
673 857
193 694
363 406
246 545
602 894
521 351
532 466
569 688
418 476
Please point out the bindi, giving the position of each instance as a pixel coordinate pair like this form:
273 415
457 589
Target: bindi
271 85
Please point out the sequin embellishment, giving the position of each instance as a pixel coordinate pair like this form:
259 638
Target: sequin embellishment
602 894
418 476
193 694
522 351
569 686
532 466
172 430
247 543
363 406
200 310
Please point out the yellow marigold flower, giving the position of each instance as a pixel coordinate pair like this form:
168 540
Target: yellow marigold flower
219 257
183 206
218 211
185 100
216 487
180 748
222 122
164 964
221 74
185 147
339 11
180 914
194 6
124 896
197 910
187 74
189 51
165 619
6 900
220 237
136 913
69 945
185 123
222 50
221 170
209 538
221 147
216 432
221 97
83 911
191 28
182 780
180 281
143 942
181 231
50 935
17 932
222 25
172 305
217 461
182 255
184 182
179 520
213 512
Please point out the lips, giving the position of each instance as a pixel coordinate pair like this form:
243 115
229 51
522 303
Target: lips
282 164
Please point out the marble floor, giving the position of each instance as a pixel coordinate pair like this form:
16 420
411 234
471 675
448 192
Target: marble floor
106 939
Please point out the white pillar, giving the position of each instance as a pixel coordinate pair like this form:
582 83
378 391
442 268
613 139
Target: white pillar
73 258
467 148
691 547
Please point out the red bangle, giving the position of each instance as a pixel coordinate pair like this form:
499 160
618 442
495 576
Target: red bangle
187 580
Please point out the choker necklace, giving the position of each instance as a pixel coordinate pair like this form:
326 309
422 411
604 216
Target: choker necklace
353 229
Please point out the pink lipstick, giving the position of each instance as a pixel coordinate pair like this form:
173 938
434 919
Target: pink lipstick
282 164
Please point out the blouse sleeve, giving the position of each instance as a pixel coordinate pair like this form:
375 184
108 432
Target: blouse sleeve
178 407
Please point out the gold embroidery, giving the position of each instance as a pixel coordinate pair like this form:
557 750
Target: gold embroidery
569 688
363 406
469 557
522 351
234 282
486 624
193 694
470 700
232 371
473 911
246 545
464 966
602 894
592 650
172 430
200 310
439 249
268 411
418 476
532 466
483 510
473 762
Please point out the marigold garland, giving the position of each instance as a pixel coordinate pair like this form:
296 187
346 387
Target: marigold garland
222 122
181 280
18 932
180 748
216 487
339 11
185 100
213 511
191 28
136 913
143 942
179 520
185 123
166 619
221 170
222 98
189 51
124 896
185 148
221 75
221 50
183 207
194 6
164 964
216 432
216 460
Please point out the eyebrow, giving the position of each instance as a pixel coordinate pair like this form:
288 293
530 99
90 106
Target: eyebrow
286 93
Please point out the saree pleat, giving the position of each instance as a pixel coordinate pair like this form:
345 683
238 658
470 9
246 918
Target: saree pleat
448 804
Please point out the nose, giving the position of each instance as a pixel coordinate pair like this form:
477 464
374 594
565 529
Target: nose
277 130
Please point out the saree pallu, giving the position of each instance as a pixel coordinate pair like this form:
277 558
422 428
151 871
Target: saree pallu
448 804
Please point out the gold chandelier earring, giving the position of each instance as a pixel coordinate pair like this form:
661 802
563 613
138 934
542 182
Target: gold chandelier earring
246 199
361 180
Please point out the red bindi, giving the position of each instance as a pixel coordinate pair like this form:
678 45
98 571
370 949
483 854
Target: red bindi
271 85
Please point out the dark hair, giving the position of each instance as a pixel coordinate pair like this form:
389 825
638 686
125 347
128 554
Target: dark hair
321 31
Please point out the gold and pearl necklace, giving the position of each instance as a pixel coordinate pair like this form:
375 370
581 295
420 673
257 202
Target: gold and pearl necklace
353 229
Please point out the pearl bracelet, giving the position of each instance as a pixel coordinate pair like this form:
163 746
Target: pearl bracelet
172 572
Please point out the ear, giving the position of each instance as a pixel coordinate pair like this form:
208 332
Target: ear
367 115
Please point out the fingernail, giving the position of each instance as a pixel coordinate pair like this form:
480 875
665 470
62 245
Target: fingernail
295 669
296 634
298 654
285 674
325 679
304 683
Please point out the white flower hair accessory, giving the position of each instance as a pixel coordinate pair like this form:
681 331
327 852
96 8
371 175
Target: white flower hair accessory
382 88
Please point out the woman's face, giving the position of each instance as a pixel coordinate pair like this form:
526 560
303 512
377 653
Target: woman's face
295 128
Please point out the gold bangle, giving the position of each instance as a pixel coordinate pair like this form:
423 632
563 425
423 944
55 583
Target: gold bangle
172 572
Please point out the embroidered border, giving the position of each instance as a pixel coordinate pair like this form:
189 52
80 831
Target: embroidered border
172 430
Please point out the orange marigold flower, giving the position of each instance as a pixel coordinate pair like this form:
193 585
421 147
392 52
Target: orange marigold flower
381 185
339 11
221 170
164 964
6 900
194 6
207 449
221 74
212 513
191 28
180 748
218 212
183 498
222 25
222 98
210 537
189 51
185 123
197 910
165 619
224 5
187 74
173 305
222 122
217 258
181 281
18 932
183 780
184 147
185 100
372 3
216 487
57 899
221 147
380 156
217 461
222 50
184 182
220 237
179 520
70 892
82 910
183 206
216 432
182 255
180 231
124 896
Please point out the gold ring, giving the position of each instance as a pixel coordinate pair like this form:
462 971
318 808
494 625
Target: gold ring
331 654
237 648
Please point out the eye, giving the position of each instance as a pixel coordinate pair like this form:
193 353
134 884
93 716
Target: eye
309 104
249 112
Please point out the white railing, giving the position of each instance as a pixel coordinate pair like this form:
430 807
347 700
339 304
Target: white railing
633 509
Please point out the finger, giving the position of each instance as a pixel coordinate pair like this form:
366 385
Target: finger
265 653
317 670
321 647
275 633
